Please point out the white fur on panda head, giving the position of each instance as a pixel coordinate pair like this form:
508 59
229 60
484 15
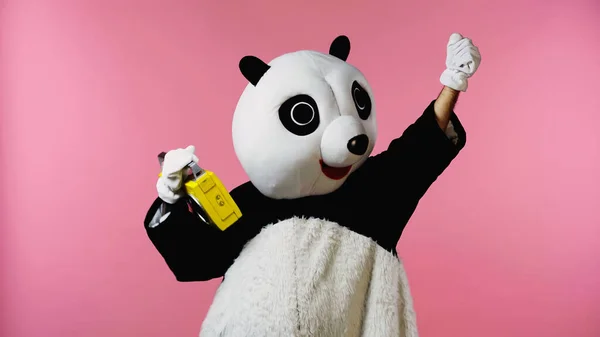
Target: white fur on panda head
304 123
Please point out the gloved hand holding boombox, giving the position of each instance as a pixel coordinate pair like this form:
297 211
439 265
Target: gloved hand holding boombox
182 177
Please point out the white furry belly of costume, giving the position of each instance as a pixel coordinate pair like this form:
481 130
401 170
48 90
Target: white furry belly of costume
310 277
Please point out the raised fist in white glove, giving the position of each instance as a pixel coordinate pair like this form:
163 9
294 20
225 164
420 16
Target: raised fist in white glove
170 183
462 61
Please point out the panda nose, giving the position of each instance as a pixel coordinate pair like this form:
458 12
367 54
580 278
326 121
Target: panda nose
358 145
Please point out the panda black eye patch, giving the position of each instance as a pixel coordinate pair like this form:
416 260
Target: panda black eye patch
300 115
362 101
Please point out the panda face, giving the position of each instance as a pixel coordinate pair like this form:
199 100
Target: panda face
304 123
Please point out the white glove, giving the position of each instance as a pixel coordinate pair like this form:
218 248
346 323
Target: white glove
462 61
170 183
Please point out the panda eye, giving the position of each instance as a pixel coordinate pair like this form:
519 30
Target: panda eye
362 101
300 115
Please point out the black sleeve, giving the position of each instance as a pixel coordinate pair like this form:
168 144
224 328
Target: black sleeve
401 175
192 249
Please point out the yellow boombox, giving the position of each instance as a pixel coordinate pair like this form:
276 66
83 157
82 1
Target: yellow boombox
209 198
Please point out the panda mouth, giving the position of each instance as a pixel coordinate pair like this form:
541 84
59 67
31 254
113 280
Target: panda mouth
335 173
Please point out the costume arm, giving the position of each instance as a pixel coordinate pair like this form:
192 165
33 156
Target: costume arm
403 173
192 249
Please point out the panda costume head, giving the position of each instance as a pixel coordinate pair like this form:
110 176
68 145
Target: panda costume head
304 123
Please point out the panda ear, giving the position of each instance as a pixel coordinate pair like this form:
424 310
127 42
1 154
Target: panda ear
340 47
253 68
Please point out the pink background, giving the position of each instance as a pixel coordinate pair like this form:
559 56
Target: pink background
506 243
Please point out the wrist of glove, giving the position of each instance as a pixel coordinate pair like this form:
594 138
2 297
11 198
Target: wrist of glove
170 188
455 79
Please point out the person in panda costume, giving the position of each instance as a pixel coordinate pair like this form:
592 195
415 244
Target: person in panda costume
314 253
